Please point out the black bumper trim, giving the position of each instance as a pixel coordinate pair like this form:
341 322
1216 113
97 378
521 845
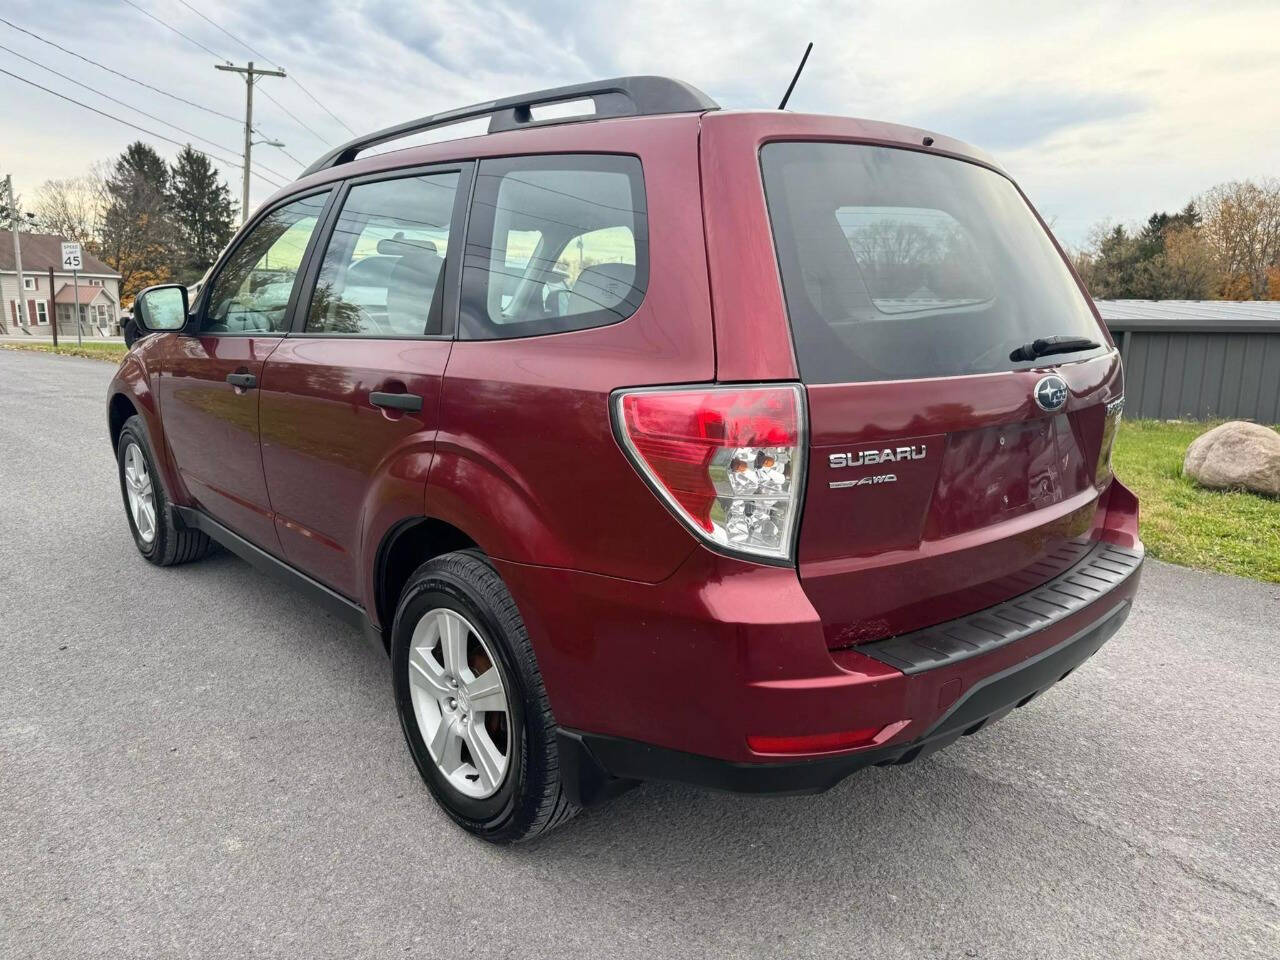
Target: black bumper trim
1101 568
596 766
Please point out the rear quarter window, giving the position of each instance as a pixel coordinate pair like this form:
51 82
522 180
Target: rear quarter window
555 243
898 264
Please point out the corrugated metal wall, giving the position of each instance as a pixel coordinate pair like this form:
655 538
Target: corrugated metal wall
1199 371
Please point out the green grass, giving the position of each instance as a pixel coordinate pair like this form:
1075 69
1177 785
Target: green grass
1231 532
94 351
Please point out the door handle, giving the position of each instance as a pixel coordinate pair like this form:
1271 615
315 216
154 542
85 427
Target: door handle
246 381
396 401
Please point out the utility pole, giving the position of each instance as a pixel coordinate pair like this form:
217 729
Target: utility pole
52 310
75 280
251 73
17 251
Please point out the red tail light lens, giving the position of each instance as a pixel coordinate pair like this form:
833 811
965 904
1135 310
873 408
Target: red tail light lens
729 461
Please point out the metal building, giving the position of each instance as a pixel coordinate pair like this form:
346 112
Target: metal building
1198 359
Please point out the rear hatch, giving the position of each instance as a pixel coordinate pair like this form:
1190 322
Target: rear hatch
938 483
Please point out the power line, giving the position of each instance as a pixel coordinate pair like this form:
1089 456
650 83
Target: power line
125 76
321 105
107 96
295 118
169 26
288 154
263 56
139 110
228 33
127 123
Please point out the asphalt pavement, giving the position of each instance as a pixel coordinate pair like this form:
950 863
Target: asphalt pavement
195 762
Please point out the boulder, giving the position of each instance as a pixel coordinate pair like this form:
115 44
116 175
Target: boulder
1236 455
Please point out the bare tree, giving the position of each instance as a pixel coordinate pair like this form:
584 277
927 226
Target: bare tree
1242 223
73 208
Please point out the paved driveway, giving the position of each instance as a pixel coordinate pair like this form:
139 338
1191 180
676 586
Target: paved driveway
194 762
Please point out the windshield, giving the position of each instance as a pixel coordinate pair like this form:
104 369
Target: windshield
898 264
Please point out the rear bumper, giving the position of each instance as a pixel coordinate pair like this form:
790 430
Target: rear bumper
593 764
678 680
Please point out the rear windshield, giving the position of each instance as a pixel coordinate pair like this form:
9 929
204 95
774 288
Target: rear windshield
898 264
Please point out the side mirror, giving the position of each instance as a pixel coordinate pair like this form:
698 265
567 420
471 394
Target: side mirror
161 308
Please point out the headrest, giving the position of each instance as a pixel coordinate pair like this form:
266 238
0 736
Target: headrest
601 287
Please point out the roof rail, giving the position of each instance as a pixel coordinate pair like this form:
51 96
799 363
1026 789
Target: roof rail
619 97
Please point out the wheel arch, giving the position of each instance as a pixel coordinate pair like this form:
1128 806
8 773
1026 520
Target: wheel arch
119 409
128 395
403 548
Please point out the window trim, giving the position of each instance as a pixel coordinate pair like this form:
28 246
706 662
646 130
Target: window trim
474 297
33 281
196 312
42 306
466 170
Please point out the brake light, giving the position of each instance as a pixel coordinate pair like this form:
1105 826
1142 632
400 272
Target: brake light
728 461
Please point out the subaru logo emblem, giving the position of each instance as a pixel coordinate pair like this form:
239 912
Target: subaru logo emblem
1051 392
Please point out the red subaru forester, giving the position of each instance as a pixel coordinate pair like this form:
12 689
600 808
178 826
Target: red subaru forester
653 441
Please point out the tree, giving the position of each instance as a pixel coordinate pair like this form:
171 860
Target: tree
138 233
1168 258
1242 223
73 208
1186 268
1152 235
1273 282
1111 265
203 212
23 221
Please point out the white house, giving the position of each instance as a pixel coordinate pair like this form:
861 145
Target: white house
99 290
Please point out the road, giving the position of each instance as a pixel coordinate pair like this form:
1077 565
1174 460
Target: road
196 763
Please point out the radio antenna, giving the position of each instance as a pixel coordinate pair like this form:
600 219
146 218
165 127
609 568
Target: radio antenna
787 96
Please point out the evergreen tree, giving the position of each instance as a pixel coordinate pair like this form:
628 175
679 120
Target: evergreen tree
203 212
1159 225
138 233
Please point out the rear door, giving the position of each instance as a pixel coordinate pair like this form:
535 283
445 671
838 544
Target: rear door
944 475
349 400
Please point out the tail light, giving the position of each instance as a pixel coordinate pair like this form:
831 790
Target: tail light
728 461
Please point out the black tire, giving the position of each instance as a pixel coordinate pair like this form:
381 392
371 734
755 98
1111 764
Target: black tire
172 542
531 799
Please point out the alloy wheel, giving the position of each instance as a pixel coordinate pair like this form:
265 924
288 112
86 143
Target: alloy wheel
460 702
140 492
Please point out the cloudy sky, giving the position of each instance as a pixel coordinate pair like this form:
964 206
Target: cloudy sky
1101 110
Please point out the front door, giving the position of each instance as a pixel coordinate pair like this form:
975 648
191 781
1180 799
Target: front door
349 400
209 379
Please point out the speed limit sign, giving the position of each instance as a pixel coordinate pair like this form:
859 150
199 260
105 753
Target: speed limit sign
71 259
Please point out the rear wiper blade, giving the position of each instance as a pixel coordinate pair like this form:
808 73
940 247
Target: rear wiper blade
1047 345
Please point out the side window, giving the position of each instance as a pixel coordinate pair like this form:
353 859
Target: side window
383 272
555 243
251 292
